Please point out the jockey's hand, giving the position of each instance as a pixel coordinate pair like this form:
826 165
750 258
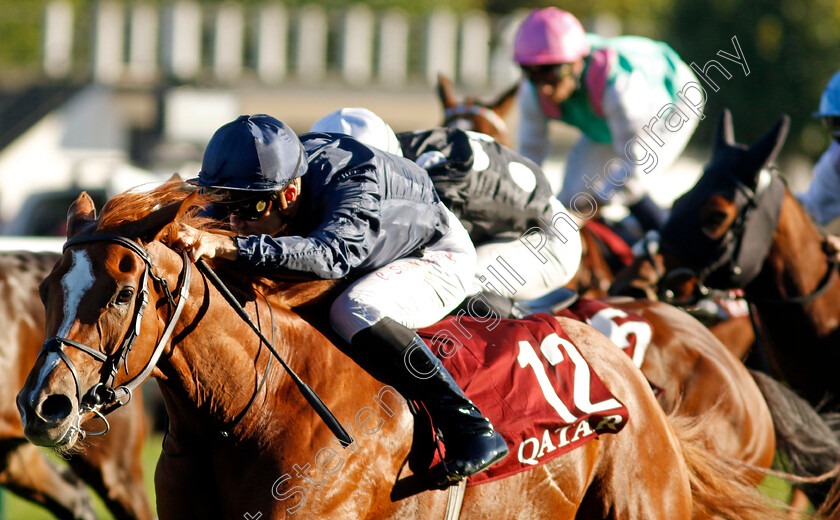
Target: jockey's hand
201 244
832 247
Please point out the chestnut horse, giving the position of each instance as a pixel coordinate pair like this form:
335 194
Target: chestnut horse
110 464
224 458
595 275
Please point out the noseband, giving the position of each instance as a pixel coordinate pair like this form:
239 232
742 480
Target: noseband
103 398
464 111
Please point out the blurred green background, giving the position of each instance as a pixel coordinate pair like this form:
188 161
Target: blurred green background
14 508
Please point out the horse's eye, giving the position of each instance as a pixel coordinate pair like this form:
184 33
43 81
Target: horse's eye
125 296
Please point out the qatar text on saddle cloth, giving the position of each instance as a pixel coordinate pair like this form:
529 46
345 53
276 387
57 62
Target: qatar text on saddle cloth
533 384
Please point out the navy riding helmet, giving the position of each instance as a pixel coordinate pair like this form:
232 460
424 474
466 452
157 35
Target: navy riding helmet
252 153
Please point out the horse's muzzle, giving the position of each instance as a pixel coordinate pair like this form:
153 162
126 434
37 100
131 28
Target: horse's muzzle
48 419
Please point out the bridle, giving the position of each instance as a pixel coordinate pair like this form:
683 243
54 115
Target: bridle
465 111
648 247
103 398
738 265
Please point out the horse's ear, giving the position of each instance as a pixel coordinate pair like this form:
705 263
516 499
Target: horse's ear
768 147
724 133
503 105
446 92
81 213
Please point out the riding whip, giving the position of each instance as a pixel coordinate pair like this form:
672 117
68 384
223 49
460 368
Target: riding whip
310 395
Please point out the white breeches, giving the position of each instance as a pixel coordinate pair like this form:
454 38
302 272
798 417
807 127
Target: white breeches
534 264
414 291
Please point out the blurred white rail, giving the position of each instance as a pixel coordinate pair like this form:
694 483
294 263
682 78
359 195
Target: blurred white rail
14 243
226 43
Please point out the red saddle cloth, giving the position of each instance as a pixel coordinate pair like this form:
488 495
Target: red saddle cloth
630 332
531 381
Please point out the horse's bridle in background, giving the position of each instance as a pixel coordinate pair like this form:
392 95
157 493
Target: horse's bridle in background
103 398
730 266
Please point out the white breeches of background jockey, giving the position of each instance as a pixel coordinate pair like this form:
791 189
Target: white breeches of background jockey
414 291
588 158
822 198
532 265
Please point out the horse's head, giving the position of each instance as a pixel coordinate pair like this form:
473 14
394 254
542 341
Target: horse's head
109 314
471 114
722 228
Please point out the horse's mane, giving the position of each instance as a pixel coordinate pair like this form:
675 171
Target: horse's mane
137 213
152 216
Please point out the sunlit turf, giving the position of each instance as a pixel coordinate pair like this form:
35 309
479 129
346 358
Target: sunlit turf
14 508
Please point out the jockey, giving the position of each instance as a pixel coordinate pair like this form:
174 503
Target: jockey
326 206
497 194
822 199
616 91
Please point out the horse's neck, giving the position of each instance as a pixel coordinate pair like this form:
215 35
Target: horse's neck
218 363
795 267
795 263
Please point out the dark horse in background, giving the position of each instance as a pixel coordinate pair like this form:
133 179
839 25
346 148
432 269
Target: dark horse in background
212 366
110 464
740 228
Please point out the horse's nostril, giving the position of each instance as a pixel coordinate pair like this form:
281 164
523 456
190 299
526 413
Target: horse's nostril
55 407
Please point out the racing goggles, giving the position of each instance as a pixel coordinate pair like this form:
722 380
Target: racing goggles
250 208
548 74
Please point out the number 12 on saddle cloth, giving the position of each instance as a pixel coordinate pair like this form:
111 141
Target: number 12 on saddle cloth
532 383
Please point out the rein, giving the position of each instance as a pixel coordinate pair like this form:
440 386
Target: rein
310 395
822 287
102 398
463 111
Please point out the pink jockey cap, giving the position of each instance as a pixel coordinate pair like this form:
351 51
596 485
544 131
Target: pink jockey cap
550 36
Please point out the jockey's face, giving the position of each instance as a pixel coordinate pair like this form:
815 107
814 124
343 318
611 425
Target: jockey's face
556 82
276 218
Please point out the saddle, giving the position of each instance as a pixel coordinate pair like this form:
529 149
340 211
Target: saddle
529 379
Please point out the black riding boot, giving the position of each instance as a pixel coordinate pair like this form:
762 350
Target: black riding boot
472 445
